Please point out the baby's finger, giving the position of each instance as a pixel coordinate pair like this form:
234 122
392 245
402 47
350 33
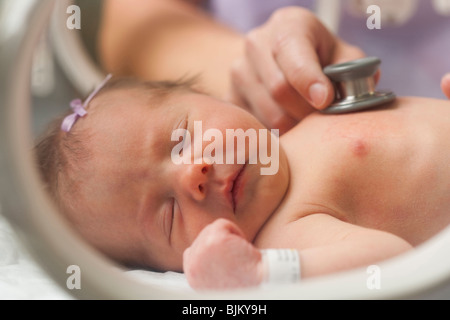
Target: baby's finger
186 255
224 225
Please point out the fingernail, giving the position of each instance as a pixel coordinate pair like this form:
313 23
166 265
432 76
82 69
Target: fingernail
317 94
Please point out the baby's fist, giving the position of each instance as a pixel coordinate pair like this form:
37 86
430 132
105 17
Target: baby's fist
221 258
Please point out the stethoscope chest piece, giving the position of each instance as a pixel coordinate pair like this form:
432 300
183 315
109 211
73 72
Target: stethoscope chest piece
354 84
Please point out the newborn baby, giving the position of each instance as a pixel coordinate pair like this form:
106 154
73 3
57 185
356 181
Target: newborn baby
349 190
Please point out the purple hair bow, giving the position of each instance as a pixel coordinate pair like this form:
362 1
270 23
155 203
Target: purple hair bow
79 107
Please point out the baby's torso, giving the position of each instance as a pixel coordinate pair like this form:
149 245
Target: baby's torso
387 169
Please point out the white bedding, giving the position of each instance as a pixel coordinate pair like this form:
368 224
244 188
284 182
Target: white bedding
21 278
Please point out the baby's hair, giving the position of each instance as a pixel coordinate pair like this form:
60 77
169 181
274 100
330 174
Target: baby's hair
60 155
55 152
157 88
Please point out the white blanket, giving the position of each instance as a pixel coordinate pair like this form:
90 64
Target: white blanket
21 278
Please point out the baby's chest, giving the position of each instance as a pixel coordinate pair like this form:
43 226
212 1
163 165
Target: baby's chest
397 183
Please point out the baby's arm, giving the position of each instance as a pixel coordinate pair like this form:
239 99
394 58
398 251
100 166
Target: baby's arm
330 245
221 257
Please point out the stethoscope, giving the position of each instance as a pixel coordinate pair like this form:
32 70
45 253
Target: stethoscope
355 86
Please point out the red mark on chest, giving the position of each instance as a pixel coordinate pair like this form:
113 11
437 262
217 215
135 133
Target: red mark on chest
359 148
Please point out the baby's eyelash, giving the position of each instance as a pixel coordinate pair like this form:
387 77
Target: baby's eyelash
167 219
173 215
184 142
183 124
185 127
172 218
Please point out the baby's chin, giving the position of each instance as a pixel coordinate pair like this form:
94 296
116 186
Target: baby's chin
278 183
265 194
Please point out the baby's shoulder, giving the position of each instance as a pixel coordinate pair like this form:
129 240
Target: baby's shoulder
305 231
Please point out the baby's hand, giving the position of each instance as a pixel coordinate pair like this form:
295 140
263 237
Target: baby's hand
279 79
445 85
221 258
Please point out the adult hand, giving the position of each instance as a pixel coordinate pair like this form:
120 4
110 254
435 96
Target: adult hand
221 258
445 85
279 79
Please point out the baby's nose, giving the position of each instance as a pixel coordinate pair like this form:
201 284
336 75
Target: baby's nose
194 179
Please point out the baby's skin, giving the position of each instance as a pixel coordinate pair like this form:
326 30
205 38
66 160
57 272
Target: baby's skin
363 187
350 190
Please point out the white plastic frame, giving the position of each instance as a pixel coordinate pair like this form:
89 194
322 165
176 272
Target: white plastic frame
55 246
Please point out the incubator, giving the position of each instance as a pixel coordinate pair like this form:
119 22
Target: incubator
24 25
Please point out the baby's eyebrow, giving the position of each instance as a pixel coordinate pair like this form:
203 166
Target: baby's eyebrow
153 141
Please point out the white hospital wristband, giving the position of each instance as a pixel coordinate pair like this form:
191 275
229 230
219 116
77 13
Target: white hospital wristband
281 266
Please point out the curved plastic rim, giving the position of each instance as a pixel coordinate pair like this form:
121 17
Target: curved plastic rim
56 246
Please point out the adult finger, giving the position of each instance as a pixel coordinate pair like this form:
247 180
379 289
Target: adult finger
261 61
445 85
300 63
247 87
345 52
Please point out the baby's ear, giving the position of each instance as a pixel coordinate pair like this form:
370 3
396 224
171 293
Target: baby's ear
445 85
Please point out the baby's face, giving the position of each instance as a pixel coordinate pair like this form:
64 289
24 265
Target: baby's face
144 204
